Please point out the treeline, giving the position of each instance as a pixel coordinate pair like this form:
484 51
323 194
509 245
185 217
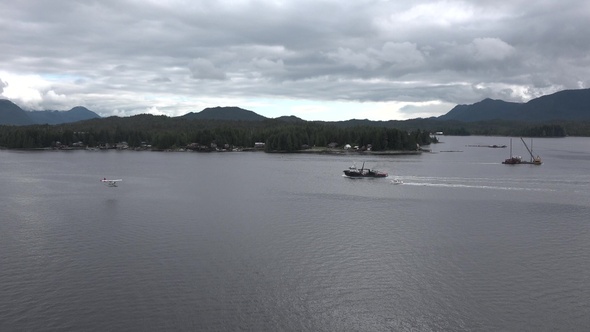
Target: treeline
484 128
545 131
503 128
292 138
162 132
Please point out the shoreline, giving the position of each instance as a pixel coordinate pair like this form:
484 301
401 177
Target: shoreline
326 151
348 152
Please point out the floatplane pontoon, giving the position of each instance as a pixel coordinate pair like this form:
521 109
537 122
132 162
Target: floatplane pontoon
110 182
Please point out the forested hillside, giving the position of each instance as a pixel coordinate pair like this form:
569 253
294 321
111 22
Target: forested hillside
566 105
161 132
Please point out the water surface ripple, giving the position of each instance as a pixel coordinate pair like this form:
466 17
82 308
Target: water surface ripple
265 242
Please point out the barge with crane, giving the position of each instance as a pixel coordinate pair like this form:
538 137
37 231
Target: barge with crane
517 160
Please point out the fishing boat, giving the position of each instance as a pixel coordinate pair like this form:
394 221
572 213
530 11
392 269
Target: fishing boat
354 172
517 160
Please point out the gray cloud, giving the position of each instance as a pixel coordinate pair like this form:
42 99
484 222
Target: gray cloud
2 85
204 69
126 57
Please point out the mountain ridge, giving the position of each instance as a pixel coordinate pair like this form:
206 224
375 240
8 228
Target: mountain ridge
232 113
12 114
568 105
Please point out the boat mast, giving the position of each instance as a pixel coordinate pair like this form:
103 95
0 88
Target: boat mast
527 148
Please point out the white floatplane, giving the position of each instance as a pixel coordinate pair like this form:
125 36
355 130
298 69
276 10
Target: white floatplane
111 183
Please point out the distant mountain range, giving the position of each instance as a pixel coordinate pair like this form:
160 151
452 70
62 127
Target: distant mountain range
224 113
233 113
567 105
11 114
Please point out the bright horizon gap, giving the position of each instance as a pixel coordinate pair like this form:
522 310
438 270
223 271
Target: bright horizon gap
304 109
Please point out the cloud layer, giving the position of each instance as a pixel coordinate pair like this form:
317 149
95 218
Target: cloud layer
328 60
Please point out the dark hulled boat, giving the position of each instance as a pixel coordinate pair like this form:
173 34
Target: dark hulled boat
353 172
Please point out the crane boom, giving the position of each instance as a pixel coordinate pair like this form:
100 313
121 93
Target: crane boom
527 148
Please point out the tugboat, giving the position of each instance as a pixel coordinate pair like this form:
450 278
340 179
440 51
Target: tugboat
353 172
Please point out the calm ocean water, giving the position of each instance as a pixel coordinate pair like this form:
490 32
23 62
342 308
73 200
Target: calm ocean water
274 242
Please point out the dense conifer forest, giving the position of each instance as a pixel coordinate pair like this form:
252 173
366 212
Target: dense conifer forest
279 135
161 132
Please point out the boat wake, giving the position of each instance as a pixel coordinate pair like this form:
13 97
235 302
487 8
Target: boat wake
475 183
456 185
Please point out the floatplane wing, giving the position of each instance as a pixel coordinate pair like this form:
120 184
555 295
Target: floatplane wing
111 182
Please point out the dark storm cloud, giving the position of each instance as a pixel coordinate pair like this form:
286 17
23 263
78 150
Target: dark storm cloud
125 57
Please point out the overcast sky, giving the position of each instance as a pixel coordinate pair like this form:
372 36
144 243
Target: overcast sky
318 60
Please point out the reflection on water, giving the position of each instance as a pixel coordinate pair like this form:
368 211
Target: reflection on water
256 241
